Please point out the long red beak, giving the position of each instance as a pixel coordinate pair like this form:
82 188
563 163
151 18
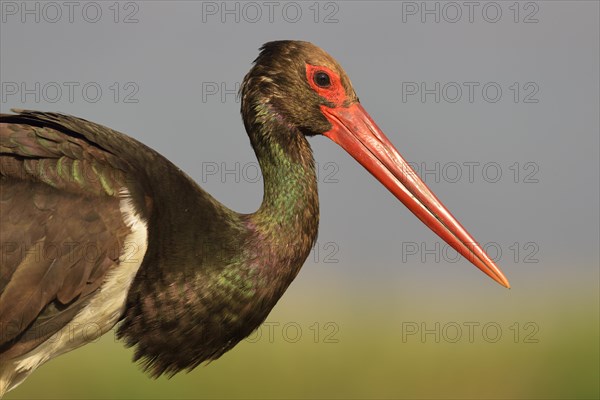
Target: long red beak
355 131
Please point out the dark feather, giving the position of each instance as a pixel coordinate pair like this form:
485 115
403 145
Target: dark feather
62 228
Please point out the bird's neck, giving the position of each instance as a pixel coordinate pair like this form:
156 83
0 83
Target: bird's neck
287 220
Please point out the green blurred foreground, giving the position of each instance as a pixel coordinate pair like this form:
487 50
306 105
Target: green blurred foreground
344 343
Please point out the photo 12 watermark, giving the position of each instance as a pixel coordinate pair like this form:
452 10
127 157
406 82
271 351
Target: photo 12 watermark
477 171
489 92
253 12
53 12
295 332
250 172
70 251
22 92
470 332
470 12
527 252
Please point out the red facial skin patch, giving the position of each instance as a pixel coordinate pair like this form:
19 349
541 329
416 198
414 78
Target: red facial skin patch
334 93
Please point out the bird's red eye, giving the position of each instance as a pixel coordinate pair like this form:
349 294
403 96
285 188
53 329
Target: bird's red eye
326 83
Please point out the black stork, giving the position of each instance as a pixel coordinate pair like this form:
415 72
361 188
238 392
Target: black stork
98 229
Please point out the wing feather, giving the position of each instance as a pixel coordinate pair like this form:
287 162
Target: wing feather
62 229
